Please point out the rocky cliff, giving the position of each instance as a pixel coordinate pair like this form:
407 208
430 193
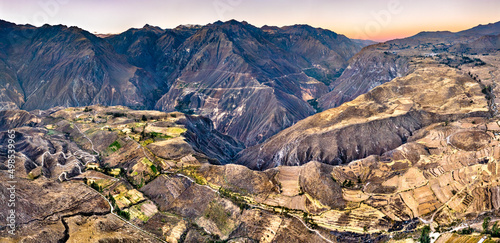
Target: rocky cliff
375 122
252 82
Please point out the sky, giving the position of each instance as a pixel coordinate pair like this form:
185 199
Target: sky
378 20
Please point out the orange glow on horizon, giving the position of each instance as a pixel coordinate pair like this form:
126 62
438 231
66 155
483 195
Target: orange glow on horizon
378 20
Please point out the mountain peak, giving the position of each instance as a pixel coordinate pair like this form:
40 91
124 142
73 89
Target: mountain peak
487 29
3 22
187 27
155 29
147 26
433 34
230 22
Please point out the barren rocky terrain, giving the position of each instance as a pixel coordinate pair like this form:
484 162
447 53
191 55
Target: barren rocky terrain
252 82
167 172
78 160
409 136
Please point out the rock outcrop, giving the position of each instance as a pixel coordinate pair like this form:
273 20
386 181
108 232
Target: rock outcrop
375 122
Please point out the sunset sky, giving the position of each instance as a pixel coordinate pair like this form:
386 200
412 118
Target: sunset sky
362 19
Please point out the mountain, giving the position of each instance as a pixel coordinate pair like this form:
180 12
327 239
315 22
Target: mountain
247 85
326 52
114 174
56 65
408 141
376 122
364 43
488 29
366 70
252 82
363 122
484 45
377 64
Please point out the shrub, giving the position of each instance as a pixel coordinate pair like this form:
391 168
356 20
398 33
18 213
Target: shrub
486 224
124 214
154 169
115 146
424 237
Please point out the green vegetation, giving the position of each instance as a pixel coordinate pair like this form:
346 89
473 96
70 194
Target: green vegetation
116 114
347 183
424 237
191 172
321 76
154 169
183 106
466 231
151 137
486 225
217 214
308 220
234 197
117 210
96 186
147 142
87 109
486 90
123 214
314 103
495 231
115 146
155 135
32 177
141 184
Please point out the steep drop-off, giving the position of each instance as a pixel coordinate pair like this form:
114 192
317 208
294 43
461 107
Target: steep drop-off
375 122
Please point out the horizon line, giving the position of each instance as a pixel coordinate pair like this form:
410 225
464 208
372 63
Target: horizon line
244 21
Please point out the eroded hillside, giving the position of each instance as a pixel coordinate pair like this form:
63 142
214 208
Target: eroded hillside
376 122
109 173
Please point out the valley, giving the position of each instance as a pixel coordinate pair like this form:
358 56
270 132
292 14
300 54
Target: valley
229 132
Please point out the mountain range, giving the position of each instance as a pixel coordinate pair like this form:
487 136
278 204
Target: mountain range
233 133
252 82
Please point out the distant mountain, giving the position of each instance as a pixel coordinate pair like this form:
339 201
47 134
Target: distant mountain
483 45
380 63
56 65
374 123
364 43
252 82
488 29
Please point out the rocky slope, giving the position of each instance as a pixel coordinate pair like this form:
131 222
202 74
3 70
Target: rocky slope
114 174
252 82
380 63
484 45
56 65
366 70
375 122
78 162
